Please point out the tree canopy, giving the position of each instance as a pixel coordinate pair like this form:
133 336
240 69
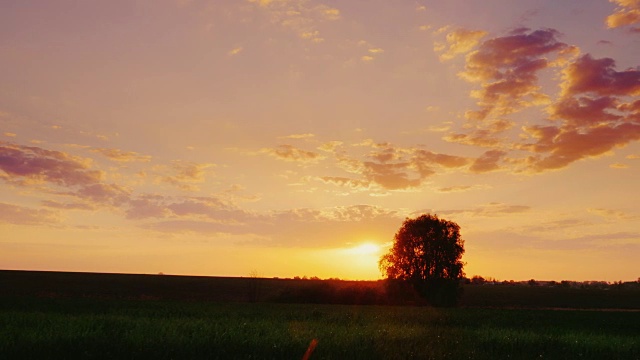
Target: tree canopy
427 254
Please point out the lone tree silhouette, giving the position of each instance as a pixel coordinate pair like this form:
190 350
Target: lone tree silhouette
426 255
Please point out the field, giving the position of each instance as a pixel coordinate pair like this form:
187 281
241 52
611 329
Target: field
104 321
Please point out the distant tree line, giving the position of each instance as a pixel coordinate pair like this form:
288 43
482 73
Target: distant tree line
479 280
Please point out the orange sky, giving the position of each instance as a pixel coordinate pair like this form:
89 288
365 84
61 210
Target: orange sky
277 137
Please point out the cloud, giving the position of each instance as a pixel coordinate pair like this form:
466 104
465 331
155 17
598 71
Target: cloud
105 194
626 14
181 226
459 41
393 168
66 206
585 111
299 16
479 137
235 51
459 188
489 131
147 206
291 153
489 161
298 136
303 227
391 176
25 165
448 161
566 146
611 214
619 166
34 164
599 77
423 161
594 116
210 208
388 167
554 226
598 241
202 208
347 182
491 210
19 215
507 67
186 174
122 156
330 146
596 111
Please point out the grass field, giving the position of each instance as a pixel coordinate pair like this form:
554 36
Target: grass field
45 328
108 316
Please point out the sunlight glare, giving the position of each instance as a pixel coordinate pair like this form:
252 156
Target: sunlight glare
364 249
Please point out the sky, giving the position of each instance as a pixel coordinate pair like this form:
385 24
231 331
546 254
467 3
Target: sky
285 138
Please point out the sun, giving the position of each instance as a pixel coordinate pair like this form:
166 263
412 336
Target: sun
367 248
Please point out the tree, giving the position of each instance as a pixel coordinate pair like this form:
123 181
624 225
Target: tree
426 255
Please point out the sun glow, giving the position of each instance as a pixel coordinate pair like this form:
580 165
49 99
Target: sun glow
357 260
365 249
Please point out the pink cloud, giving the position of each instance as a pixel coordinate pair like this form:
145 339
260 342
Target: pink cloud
66 206
599 77
185 175
21 163
507 68
565 146
394 168
489 161
106 194
594 116
19 215
585 111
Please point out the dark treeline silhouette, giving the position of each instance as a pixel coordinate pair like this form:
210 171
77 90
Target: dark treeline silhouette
21 285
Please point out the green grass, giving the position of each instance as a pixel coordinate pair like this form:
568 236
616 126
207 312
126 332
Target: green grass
75 328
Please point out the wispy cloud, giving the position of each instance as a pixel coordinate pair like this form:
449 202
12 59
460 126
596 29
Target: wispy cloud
291 153
20 215
490 210
235 51
612 214
300 16
298 136
184 175
67 206
328 227
459 41
121 155
627 13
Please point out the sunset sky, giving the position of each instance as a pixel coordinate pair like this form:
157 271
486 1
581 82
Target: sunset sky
292 137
